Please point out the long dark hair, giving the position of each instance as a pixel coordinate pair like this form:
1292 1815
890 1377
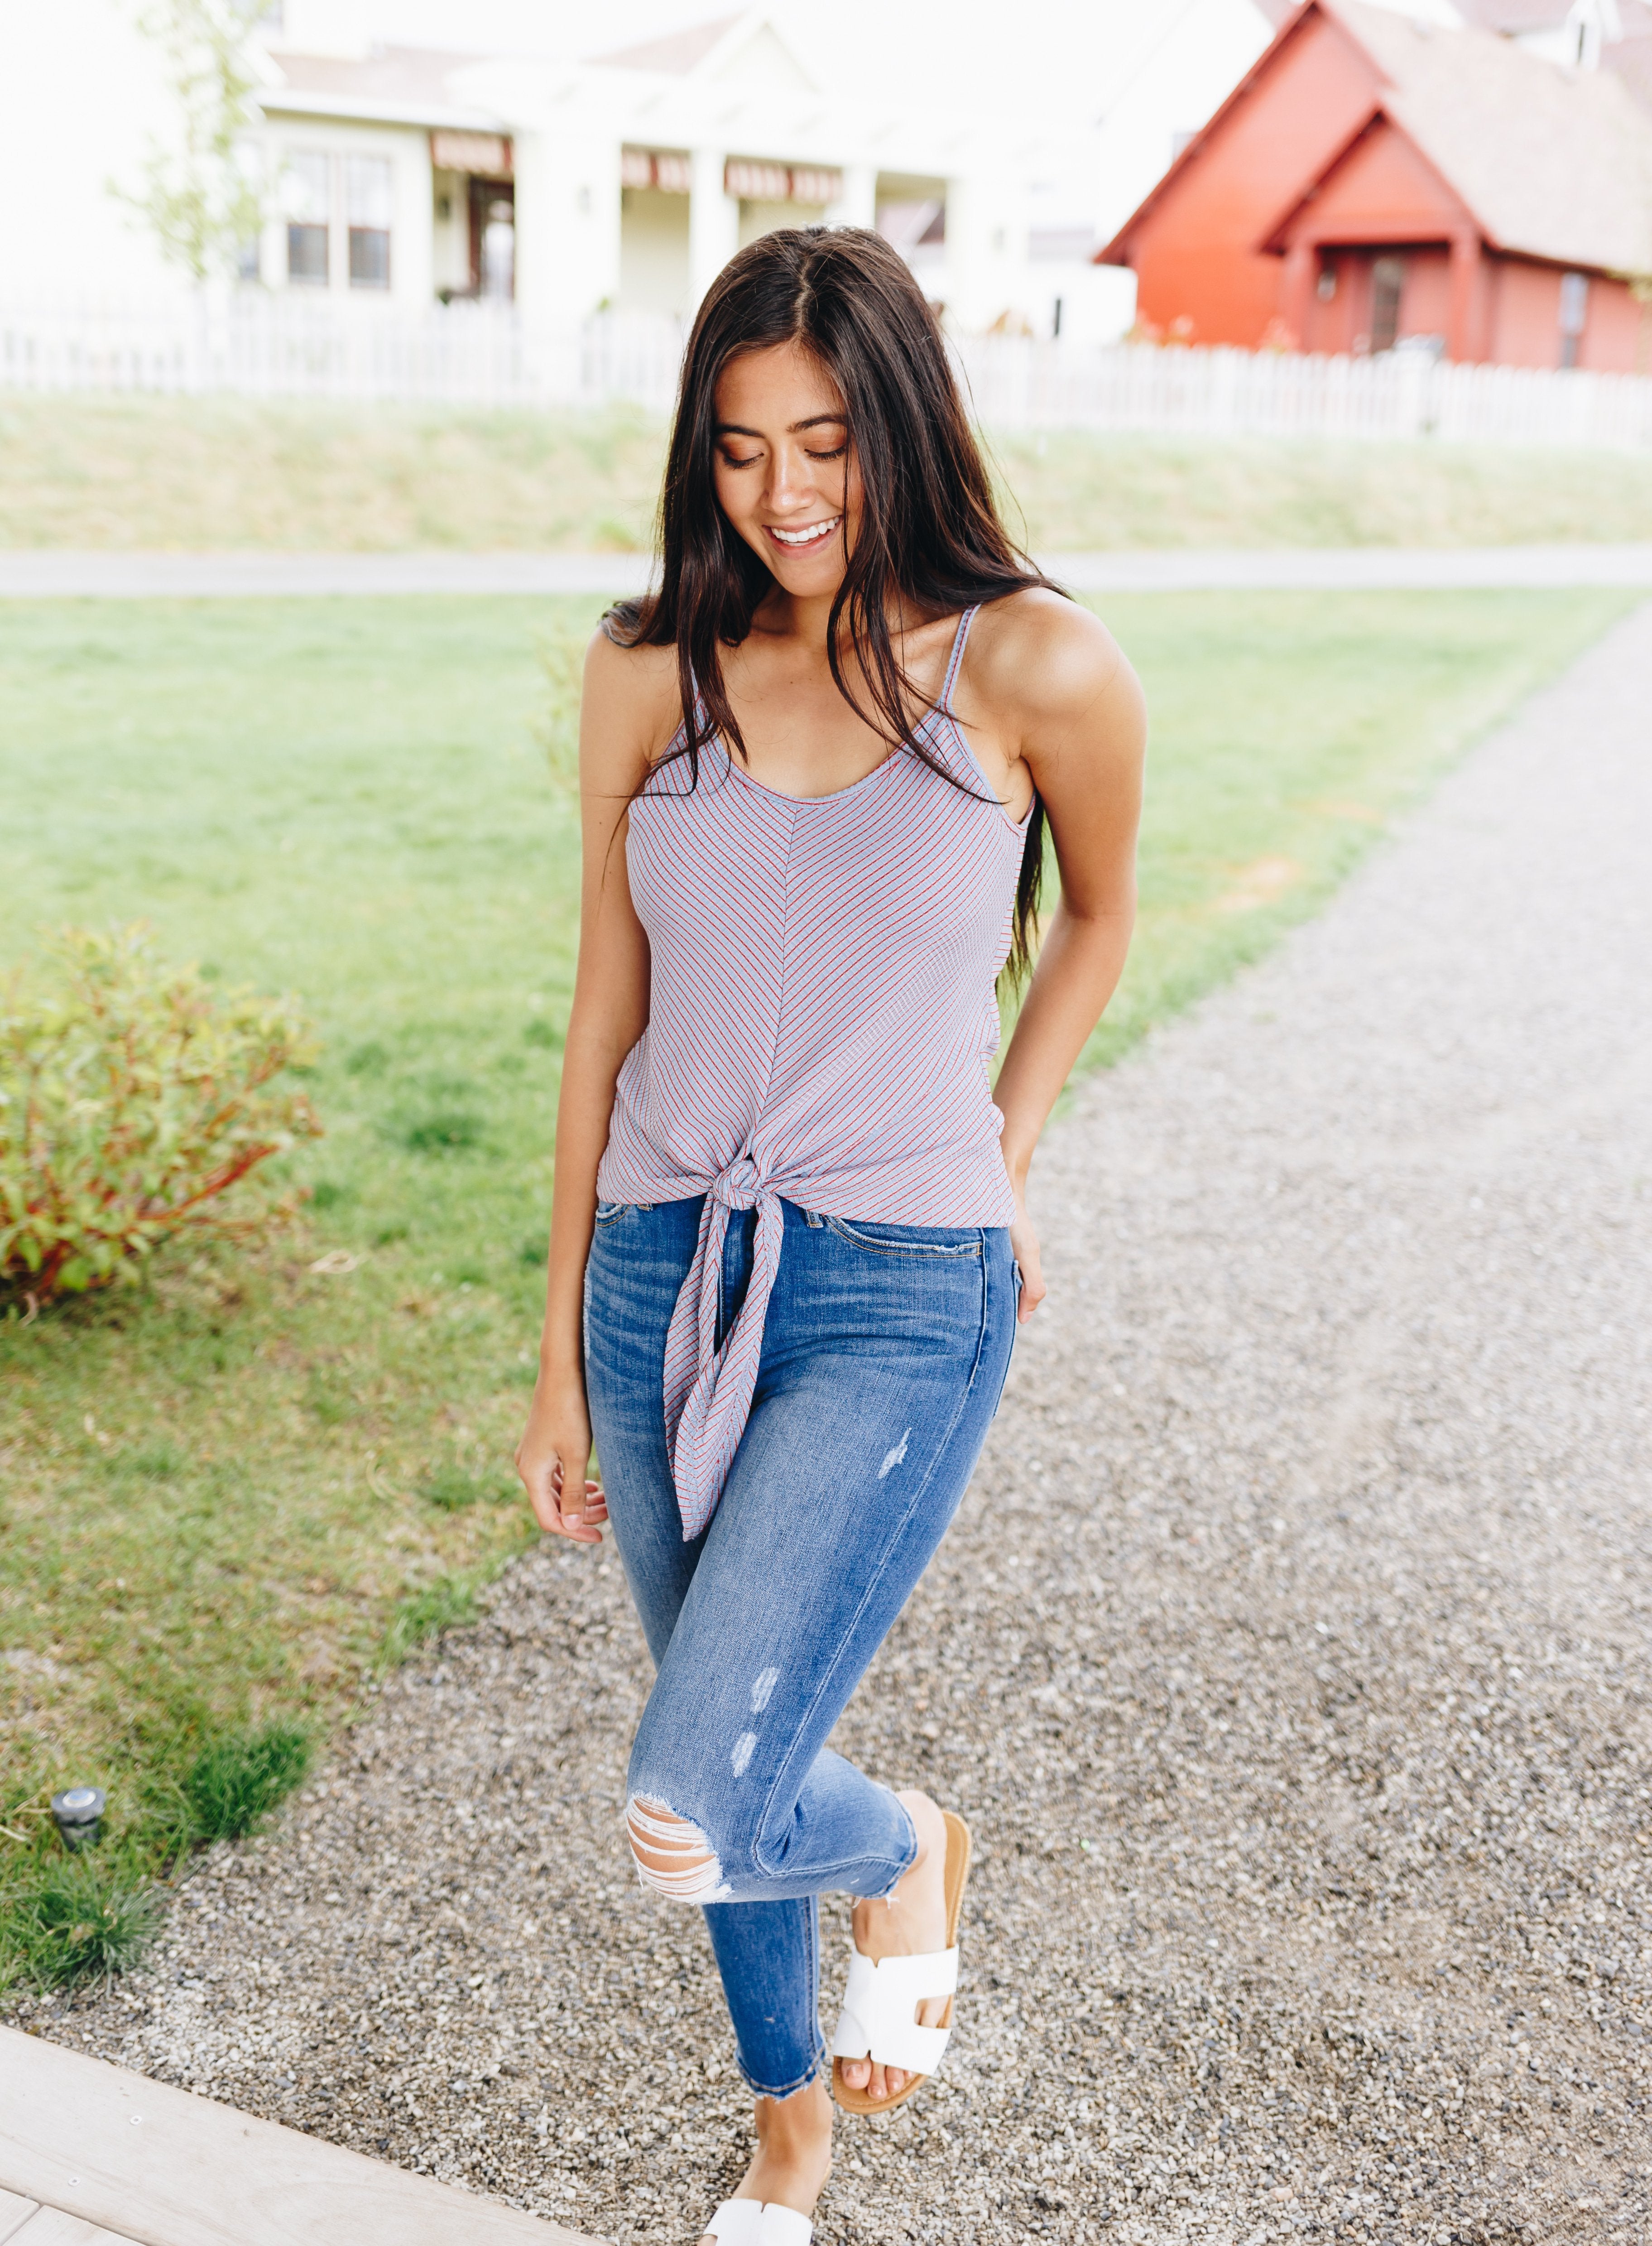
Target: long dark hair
929 533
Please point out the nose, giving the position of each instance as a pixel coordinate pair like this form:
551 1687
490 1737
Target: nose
790 480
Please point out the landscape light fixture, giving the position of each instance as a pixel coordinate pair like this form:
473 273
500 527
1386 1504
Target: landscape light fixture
78 1811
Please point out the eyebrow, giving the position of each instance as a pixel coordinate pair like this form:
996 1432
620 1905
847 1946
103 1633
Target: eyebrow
793 428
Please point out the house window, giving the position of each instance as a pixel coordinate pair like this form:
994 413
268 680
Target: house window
369 199
1574 305
305 193
1388 285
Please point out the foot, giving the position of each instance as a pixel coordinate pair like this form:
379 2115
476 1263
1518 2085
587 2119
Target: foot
910 1922
793 2157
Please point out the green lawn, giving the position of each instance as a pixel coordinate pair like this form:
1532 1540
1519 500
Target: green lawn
122 471
217 1500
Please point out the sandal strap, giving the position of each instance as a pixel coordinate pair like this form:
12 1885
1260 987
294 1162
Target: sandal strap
784 2226
754 2222
877 2022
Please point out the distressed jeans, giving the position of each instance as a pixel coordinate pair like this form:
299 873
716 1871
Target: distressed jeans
884 1355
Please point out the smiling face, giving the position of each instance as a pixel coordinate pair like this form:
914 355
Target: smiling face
785 467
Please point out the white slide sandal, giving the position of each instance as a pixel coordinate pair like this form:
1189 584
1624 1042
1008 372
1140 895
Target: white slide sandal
879 2019
758 2222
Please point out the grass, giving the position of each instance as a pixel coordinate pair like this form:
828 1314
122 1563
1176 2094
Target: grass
225 1503
103 471
242 1776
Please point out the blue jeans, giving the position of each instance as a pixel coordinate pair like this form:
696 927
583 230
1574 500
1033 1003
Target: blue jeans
884 1355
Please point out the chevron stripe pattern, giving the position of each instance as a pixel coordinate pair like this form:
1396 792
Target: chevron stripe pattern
822 1013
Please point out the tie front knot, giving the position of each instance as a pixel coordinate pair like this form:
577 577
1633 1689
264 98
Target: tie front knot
740 1185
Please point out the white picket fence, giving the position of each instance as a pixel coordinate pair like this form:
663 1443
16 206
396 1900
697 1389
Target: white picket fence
1020 384
291 346
258 345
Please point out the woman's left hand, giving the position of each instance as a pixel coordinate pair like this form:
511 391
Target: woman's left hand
1023 1246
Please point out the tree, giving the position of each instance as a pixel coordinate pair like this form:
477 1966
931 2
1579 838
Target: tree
197 191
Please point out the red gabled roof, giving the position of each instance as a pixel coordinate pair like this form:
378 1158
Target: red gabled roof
1550 163
1113 252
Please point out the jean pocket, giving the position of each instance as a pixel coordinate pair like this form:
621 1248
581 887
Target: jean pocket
909 1240
610 1212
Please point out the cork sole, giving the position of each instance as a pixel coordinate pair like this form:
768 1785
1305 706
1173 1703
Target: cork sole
956 1872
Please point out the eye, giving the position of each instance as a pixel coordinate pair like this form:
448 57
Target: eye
836 454
736 460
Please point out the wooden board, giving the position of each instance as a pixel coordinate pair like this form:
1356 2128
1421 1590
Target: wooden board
162 2167
15 2211
51 2226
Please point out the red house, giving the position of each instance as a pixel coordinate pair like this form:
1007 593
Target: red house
1375 179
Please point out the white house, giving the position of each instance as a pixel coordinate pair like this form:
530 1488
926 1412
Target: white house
398 175
628 181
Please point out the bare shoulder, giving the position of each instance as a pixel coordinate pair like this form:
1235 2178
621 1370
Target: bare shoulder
1038 659
631 705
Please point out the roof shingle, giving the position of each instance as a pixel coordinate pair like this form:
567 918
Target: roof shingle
1555 163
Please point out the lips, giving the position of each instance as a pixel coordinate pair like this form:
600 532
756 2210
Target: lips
805 541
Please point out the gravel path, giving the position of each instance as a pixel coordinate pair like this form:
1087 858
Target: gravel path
1288 1656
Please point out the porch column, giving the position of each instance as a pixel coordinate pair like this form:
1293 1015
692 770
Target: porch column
1461 334
857 204
568 227
714 221
1296 292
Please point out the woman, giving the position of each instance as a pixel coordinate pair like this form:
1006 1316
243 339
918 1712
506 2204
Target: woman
789 1244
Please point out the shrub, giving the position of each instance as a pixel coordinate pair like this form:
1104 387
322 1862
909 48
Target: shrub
131 1098
241 1778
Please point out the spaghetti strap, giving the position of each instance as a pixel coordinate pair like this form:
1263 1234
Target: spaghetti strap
960 639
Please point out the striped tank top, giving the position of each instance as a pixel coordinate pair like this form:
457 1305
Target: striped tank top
822 1010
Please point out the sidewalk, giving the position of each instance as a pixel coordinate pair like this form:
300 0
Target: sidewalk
51 574
91 2156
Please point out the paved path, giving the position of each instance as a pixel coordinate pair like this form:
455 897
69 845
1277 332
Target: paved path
1289 1657
92 2155
1364 568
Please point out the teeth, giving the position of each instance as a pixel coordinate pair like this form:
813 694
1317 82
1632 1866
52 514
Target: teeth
815 531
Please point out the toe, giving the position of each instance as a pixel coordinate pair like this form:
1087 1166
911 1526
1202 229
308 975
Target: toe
896 2081
857 2073
877 2086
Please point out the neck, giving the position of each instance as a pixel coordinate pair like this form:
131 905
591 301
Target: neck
800 616
806 616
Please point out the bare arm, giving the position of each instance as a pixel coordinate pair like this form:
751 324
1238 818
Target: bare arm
620 719
1082 732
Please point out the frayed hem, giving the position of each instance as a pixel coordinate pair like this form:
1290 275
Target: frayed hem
791 2089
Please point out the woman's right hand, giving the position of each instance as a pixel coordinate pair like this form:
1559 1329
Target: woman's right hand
552 1459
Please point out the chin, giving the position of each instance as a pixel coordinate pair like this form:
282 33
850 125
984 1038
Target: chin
812 572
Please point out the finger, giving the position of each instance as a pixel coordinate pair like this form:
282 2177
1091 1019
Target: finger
576 1521
596 1501
542 1499
536 1497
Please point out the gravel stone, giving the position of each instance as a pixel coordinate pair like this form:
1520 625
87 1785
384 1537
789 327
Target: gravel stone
1289 1657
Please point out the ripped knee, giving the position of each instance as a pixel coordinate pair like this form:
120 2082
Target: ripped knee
673 1856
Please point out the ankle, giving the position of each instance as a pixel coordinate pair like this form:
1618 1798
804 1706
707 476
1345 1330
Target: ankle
930 1828
797 2128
